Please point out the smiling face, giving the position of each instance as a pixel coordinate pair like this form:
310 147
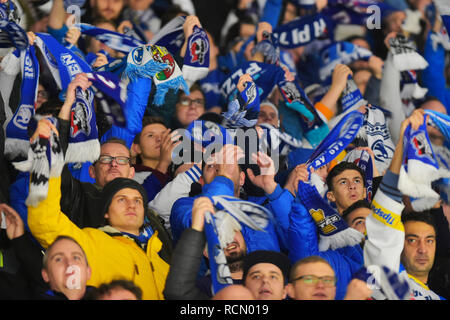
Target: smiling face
303 289
66 269
126 211
266 282
235 252
348 187
419 249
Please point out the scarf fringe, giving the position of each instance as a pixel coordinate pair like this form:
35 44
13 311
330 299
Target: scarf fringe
192 74
149 70
414 188
15 148
11 64
344 238
425 203
163 87
409 61
83 151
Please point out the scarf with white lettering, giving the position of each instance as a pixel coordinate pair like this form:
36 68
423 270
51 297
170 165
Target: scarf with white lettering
17 141
196 58
64 65
157 63
302 31
351 96
115 40
342 134
420 168
334 231
230 213
45 160
376 133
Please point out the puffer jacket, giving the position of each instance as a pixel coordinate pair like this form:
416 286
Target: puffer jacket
110 254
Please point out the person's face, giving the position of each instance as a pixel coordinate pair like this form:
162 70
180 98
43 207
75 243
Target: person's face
42 96
361 78
139 5
357 219
67 269
190 108
266 282
119 294
149 146
103 172
290 13
395 21
126 212
348 187
108 9
236 250
306 289
436 136
268 115
419 249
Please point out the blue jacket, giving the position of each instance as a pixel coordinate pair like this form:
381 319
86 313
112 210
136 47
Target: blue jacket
303 240
181 218
433 77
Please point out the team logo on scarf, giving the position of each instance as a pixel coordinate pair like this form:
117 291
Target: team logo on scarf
161 55
198 47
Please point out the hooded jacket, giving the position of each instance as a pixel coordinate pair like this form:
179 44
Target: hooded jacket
110 254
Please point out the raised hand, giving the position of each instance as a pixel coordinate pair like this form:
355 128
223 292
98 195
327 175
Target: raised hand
266 180
14 223
200 207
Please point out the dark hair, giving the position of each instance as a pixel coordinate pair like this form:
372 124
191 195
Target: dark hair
423 216
339 168
146 121
195 87
51 107
106 289
363 203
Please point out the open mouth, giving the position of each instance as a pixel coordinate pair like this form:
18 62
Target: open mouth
320 296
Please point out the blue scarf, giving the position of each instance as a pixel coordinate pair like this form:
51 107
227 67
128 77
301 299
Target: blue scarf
440 121
243 112
351 96
112 95
334 231
277 142
420 168
64 65
206 133
115 40
17 140
342 134
302 31
12 35
444 10
196 58
218 231
171 36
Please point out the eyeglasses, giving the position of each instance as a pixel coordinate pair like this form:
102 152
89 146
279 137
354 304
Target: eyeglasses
42 94
185 101
121 160
328 281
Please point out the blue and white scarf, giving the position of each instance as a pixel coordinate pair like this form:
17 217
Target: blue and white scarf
12 35
273 141
351 96
157 63
64 65
196 58
444 10
302 31
115 40
420 168
342 134
206 133
340 52
219 230
171 36
409 87
334 231
17 141
405 55
243 111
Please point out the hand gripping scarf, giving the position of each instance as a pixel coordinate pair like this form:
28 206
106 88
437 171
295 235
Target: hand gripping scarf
64 65
334 231
17 141
219 229
196 58
420 168
243 111
45 160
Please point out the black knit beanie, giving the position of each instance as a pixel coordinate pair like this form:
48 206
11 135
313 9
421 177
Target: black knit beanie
112 187
265 256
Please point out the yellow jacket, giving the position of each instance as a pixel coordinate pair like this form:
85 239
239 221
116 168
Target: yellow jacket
110 257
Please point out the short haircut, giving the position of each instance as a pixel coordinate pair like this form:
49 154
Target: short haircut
146 121
106 289
363 203
341 167
118 141
195 87
307 260
423 216
59 238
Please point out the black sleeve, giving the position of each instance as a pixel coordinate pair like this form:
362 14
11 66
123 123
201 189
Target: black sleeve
442 232
186 260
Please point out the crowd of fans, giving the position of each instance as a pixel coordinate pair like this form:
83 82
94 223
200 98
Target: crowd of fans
233 149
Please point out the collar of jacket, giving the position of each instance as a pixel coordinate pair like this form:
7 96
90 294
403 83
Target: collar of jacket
113 232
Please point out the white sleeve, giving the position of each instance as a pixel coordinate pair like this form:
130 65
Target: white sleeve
385 233
174 190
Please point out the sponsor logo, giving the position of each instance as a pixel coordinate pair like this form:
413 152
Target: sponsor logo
326 224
